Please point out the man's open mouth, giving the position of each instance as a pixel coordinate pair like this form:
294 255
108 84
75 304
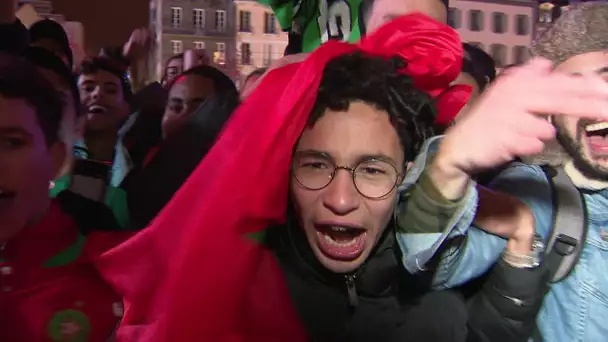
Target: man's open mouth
340 242
97 109
596 135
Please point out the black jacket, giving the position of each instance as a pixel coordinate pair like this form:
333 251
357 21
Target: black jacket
504 309
380 302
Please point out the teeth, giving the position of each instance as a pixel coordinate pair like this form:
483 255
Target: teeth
348 243
596 127
97 109
339 229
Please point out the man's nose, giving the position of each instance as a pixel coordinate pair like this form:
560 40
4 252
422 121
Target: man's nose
341 196
97 93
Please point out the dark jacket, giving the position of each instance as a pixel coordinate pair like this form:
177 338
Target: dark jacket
506 306
379 302
150 188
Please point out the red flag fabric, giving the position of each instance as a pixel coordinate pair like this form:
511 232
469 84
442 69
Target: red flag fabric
191 275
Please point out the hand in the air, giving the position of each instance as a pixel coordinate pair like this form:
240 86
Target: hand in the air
507 120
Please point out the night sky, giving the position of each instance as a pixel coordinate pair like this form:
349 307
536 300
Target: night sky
106 22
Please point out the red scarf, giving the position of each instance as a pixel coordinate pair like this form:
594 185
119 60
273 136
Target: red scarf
195 277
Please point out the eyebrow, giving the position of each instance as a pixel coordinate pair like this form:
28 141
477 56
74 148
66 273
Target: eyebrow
599 71
361 158
602 70
14 130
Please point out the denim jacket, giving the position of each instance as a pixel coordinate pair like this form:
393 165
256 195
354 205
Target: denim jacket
575 309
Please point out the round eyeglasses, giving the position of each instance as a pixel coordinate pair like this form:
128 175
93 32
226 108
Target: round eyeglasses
373 178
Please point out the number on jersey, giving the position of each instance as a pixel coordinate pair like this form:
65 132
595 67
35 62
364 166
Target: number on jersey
334 21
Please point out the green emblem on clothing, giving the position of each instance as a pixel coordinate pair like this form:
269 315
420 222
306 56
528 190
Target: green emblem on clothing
69 326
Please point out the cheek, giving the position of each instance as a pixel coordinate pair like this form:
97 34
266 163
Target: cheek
381 212
30 172
303 200
571 126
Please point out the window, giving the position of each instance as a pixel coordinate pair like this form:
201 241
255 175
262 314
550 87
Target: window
177 46
245 54
176 16
476 20
499 53
245 21
454 17
220 21
520 54
219 57
267 60
499 22
199 45
545 13
270 23
198 18
522 24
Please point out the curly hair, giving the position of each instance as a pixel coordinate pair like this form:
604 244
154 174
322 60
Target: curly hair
375 81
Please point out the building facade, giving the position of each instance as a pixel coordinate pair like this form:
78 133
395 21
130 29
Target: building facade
259 39
503 28
194 24
44 9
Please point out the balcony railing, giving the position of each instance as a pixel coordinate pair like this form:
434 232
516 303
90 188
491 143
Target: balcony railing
191 29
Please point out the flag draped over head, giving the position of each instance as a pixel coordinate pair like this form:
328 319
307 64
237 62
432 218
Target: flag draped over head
192 276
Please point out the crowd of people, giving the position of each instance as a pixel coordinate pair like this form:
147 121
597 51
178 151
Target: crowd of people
380 183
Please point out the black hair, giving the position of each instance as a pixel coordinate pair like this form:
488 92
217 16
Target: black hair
20 80
50 29
95 64
479 65
223 84
255 73
377 82
47 60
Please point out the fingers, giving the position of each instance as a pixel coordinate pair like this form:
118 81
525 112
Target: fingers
527 146
542 92
536 126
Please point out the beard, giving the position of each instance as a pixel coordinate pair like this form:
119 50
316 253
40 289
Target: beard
575 149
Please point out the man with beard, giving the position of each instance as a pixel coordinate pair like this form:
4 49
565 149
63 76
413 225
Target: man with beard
576 306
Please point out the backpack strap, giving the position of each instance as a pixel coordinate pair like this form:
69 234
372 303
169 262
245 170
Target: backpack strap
569 229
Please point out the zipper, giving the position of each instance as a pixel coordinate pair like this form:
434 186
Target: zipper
353 298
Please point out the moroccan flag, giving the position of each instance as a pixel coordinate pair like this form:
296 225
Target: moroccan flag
192 275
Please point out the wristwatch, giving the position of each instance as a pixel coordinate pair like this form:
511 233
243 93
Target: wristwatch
530 260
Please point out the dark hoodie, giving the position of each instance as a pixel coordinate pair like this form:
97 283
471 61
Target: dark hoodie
379 302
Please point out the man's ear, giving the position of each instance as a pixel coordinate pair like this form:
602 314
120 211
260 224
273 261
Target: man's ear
58 155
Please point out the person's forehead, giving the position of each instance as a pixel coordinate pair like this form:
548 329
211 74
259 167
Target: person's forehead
17 112
177 62
587 63
348 135
191 84
100 76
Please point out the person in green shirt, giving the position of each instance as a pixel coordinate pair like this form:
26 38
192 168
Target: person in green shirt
313 22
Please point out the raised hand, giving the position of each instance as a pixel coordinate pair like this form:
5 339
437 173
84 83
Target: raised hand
139 45
507 121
